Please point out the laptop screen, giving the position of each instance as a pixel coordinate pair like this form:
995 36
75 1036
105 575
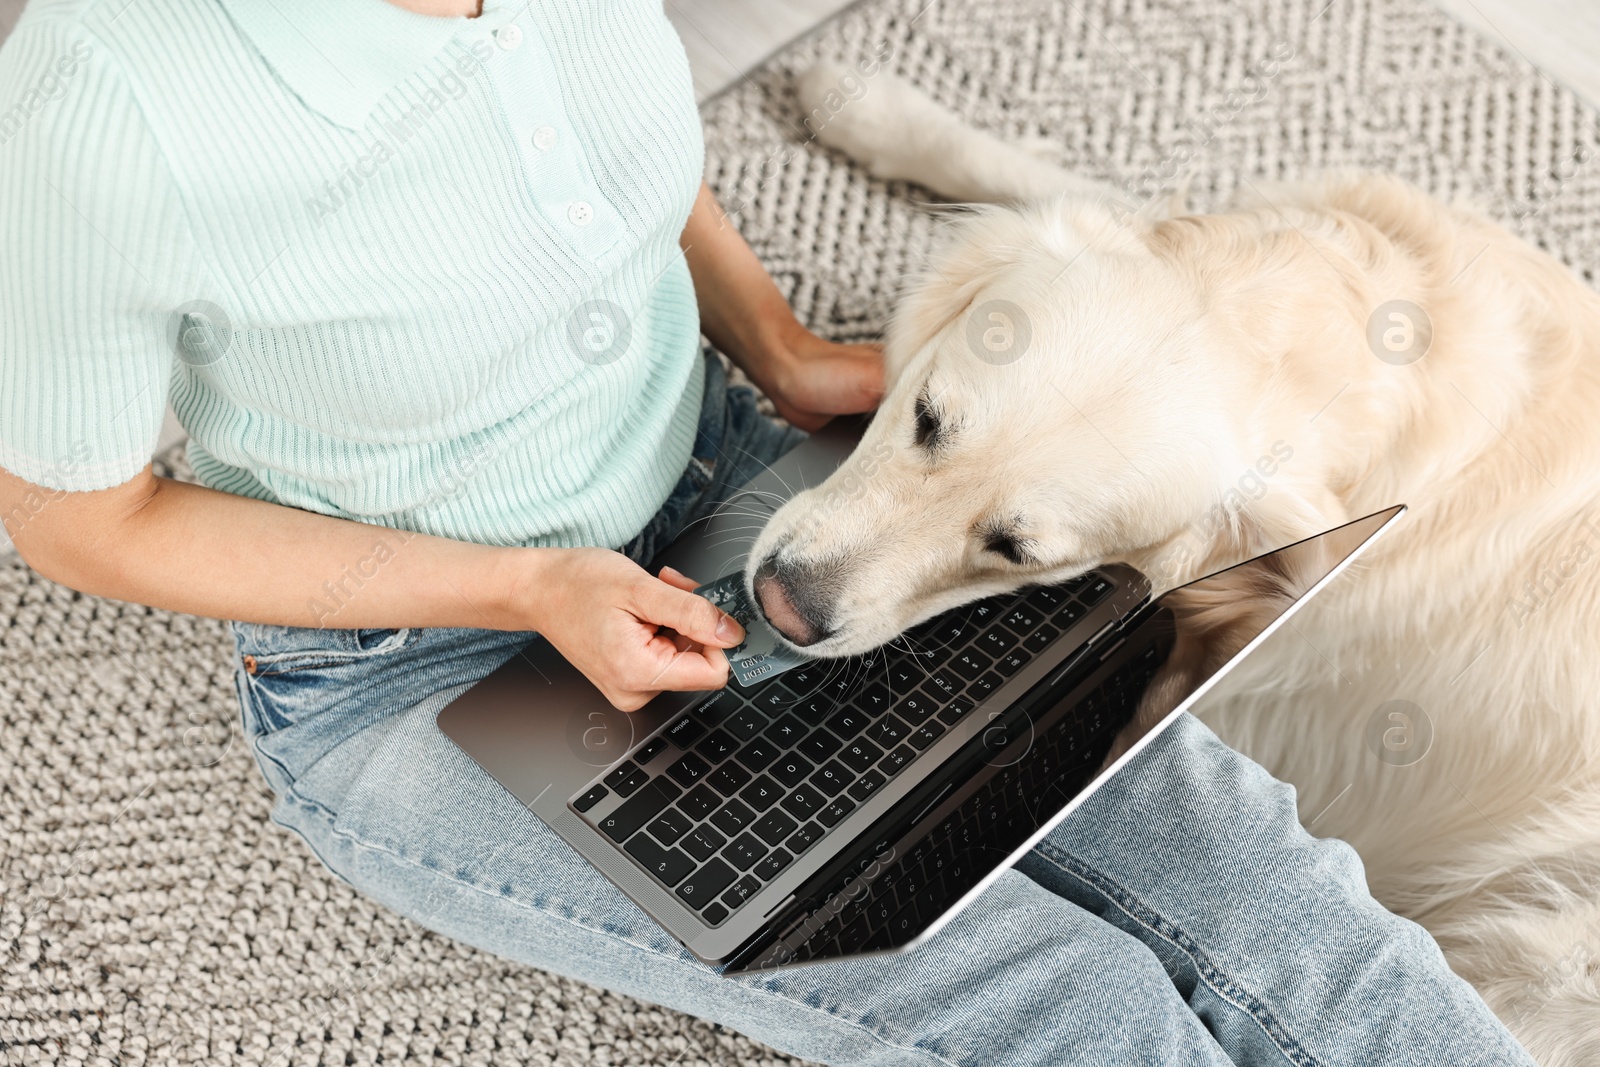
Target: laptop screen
1042 755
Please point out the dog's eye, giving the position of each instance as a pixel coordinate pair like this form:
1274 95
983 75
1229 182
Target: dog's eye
1005 544
929 428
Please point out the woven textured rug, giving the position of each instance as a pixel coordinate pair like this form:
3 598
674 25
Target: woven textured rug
149 911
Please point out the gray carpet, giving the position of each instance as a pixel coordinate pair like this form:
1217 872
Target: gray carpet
151 914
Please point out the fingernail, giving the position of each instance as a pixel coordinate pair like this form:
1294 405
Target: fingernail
729 630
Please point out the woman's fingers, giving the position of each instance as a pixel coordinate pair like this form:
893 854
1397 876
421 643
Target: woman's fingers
695 667
694 617
674 577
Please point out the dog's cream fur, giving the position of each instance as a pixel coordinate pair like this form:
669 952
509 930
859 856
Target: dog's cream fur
1169 353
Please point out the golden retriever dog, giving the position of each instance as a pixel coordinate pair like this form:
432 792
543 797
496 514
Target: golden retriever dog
1076 381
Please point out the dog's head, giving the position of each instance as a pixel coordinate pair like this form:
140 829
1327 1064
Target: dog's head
1058 398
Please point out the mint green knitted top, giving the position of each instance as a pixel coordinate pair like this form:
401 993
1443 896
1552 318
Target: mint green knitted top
419 272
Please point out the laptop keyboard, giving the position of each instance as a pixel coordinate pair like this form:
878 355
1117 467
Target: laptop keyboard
730 793
1004 812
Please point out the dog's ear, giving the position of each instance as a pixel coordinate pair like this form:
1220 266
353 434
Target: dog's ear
941 294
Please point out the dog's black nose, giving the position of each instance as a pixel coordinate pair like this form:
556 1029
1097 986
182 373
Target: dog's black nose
790 597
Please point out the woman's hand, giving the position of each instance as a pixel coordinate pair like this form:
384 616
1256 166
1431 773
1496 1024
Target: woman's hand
745 316
811 380
632 635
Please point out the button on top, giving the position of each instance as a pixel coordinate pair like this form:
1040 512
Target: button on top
508 37
544 138
580 213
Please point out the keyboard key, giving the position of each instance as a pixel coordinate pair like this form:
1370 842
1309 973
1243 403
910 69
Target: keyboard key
904 674
639 809
717 746
743 851
669 826
803 801
882 907
683 732
997 641
627 779
948 630
813 709
741 891
702 887
1048 598
714 914
728 779
699 802
922 659
762 793
874 701
1022 619
831 778
888 732
595 795
906 922
914 707
806 678
732 818
716 707
847 722
986 611
689 769
620 773
791 770
840 687
952 712
866 785
774 699
943 684
831 815
1069 614
786 731
757 754
744 724
1041 638
970 663
896 761
774 826
650 751
859 755
703 843
926 735
803 838
1012 661
818 745
985 686
772 865
1097 591
667 864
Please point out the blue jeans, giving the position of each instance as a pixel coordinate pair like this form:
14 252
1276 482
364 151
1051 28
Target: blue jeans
1181 916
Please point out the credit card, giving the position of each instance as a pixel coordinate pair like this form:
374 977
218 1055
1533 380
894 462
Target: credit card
762 654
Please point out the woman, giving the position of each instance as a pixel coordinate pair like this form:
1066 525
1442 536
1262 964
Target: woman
425 285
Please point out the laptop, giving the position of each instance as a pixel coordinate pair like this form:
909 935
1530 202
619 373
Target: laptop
854 806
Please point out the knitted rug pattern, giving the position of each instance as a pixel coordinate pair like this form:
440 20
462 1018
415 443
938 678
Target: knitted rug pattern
150 912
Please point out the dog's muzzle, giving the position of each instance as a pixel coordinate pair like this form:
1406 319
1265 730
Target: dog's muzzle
792 597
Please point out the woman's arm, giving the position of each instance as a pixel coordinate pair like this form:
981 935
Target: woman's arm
741 311
187 548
